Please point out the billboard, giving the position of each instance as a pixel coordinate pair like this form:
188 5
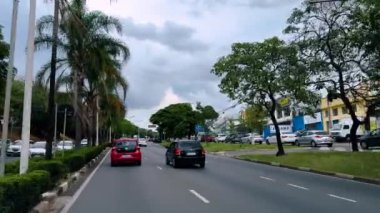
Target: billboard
283 128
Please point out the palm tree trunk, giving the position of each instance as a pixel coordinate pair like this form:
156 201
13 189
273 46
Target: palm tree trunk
51 103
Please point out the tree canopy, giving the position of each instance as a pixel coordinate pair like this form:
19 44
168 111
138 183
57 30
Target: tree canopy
262 72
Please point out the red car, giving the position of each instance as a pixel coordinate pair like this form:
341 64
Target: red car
125 151
207 138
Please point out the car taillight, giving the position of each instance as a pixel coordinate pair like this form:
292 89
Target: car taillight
113 149
137 149
203 152
177 151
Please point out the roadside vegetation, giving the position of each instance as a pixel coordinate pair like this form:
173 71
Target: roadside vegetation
361 164
19 193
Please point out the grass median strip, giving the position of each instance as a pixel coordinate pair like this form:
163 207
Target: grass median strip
361 164
220 147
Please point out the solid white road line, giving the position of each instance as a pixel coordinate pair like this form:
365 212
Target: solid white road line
296 186
83 186
158 167
342 198
199 196
267 178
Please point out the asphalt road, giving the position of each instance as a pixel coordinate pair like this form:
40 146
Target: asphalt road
225 185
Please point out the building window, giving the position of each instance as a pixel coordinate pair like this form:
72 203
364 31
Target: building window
344 110
287 111
279 113
335 111
327 113
335 122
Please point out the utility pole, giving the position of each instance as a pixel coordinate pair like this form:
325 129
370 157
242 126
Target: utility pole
8 89
24 160
97 122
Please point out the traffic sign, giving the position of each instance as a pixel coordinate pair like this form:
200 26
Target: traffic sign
199 128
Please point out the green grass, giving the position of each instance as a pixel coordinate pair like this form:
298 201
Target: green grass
361 164
219 147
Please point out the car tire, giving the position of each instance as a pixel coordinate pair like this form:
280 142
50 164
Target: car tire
267 142
202 165
297 143
113 164
138 163
364 145
329 145
174 163
167 161
313 144
348 139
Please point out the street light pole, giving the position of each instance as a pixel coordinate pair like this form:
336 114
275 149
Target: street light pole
24 160
8 89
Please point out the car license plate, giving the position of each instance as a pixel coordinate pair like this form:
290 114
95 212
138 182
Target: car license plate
191 153
126 156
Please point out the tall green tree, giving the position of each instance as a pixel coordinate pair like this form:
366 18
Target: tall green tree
176 120
208 115
333 49
261 73
255 118
90 62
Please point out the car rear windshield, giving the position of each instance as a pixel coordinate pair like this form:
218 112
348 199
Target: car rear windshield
189 144
126 144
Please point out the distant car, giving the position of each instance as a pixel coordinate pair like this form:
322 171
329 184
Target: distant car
371 139
285 138
65 145
38 149
252 138
125 151
221 138
207 138
14 149
84 142
234 138
314 138
142 142
185 152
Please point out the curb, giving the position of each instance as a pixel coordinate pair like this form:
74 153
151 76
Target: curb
48 198
304 169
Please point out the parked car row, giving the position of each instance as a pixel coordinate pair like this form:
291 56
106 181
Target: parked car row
38 148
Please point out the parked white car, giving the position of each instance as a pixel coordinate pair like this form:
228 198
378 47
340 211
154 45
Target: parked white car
314 138
285 138
38 149
84 142
14 149
221 138
65 145
252 138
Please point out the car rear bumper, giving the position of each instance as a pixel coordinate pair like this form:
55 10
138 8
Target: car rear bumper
191 160
122 158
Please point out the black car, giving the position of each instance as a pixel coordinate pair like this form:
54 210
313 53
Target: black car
371 139
234 138
185 152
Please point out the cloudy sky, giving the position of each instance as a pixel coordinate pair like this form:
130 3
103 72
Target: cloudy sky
173 44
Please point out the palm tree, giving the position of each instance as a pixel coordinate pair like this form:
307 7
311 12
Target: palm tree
92 58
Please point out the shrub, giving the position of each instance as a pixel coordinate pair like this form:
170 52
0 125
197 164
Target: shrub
12 167
19 193
73 162
56 169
